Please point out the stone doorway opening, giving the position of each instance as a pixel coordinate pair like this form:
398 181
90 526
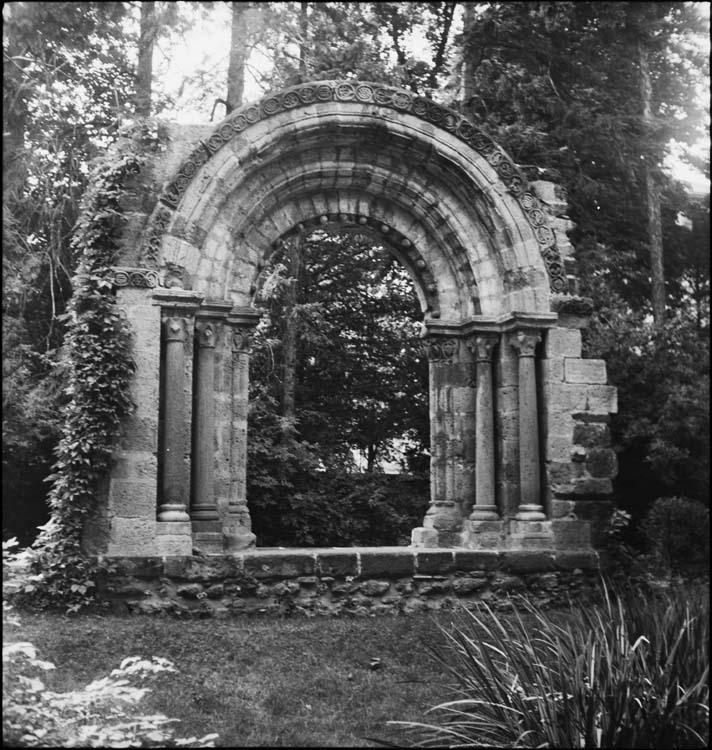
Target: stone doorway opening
339 377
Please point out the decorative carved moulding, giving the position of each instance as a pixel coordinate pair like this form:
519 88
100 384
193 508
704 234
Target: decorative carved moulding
442 349
360 93
242 321
142 278
177 301
174 329
481 325
205 334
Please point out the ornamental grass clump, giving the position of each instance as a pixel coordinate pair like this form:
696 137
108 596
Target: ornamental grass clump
621 674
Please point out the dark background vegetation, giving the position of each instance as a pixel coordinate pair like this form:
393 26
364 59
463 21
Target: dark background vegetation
593 95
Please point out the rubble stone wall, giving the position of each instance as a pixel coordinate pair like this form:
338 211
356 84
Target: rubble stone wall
359 581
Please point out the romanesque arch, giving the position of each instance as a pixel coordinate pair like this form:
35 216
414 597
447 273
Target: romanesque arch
508 387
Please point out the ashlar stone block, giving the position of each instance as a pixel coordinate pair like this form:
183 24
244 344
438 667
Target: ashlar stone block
562 342
585 371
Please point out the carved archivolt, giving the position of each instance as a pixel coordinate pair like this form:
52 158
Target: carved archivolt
364 93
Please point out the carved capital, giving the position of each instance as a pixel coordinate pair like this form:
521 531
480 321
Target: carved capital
524 342
241 341
205 334
442 349
482 346
174 329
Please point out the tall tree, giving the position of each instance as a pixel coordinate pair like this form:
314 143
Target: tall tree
238 51
67 85
144 71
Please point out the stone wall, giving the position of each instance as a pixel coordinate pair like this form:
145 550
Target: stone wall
364 581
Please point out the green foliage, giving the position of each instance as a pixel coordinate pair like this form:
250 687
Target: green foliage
558 86
66 85
100 367
104 713
341 509
360 386
677 533
662 376
632 672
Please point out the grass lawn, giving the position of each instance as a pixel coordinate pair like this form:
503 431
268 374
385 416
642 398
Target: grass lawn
285 682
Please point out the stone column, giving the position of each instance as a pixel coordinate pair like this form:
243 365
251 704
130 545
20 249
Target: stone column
451 408
173 479
485 508
204 512
237 533
530 507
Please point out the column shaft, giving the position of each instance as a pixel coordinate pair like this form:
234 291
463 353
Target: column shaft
204 512
237 532
530 508
173 477
485 508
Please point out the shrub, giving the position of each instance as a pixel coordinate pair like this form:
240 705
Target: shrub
618 675
102 714
677 533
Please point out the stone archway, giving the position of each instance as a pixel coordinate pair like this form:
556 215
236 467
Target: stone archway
508 387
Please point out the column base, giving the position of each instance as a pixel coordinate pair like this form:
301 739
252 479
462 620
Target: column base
173 512
530 534
236 536
484 513
201 525
486 534
208 542
531 512
426 537
174 538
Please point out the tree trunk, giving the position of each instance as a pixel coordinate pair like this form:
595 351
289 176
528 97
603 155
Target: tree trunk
144 72
652 197
467 72
372 454
238 48
14 157
291 331
303 31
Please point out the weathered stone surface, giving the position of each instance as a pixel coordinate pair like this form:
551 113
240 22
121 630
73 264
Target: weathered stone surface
205 568
133 499
591 487
602 463
435 562
433 587
577 560
592 435
571 534
585 371
525 561
215 591
468 585
374 588
393 563
481 560
190 591
504 582
279 565
171 545
562 342
132 537
220 597
337 564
